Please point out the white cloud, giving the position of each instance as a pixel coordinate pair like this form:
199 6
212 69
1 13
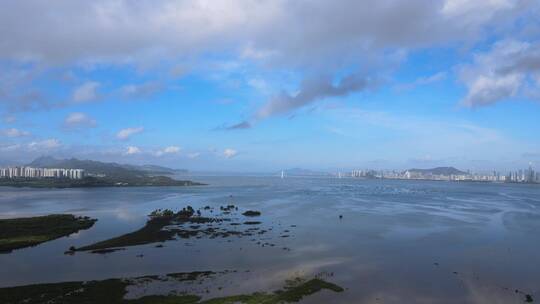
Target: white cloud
194 155
131 150
31 148
508 70
229 153
488 89
168 150
12 132
259 84
334 35
172 149
476 11
139 91
86 92
250 52
127 31
125 134
47 144
78 119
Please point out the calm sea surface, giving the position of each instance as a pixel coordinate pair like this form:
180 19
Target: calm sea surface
398 241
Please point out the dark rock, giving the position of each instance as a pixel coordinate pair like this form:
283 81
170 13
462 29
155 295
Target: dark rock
251 213
252 223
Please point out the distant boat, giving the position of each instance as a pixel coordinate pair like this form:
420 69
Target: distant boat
282 174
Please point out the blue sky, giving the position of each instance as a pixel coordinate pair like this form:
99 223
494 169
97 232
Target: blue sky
248 85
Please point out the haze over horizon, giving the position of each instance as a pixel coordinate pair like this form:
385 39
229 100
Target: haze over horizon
245 85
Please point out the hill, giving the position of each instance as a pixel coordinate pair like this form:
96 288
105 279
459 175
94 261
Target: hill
439 171
99 174
153 169
114 170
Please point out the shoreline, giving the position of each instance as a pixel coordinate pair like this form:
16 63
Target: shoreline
154 181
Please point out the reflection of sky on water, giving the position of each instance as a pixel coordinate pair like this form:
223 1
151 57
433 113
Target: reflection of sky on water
383 250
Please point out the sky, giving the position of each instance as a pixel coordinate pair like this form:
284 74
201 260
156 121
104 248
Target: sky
263 85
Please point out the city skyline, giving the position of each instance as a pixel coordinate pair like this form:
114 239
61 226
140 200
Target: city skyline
528 175
261 85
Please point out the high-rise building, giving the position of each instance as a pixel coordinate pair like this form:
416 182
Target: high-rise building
29 172
530 175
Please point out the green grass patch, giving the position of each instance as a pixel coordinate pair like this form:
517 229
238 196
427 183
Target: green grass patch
166 225
94 182
113 291
25 232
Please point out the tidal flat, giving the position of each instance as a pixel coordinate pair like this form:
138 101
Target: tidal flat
115 290
166 225
384 241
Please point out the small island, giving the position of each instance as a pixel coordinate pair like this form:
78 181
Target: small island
20 233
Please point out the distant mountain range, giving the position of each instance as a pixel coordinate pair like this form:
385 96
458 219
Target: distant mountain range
109 169
439 171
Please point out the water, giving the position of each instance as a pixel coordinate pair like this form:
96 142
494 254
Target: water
398 241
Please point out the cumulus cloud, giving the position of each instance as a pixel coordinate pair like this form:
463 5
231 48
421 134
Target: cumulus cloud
12 132
125 134
332 36
475 12
86 92
78 120
168 150
230 153
509 69
125 30
131 150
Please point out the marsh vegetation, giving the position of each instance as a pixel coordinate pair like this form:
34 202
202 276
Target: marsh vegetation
31 231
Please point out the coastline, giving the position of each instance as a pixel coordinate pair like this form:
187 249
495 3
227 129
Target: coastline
90 182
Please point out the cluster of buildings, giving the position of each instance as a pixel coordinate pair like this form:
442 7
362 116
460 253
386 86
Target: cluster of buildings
29 172
520 176
366 173
524 176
